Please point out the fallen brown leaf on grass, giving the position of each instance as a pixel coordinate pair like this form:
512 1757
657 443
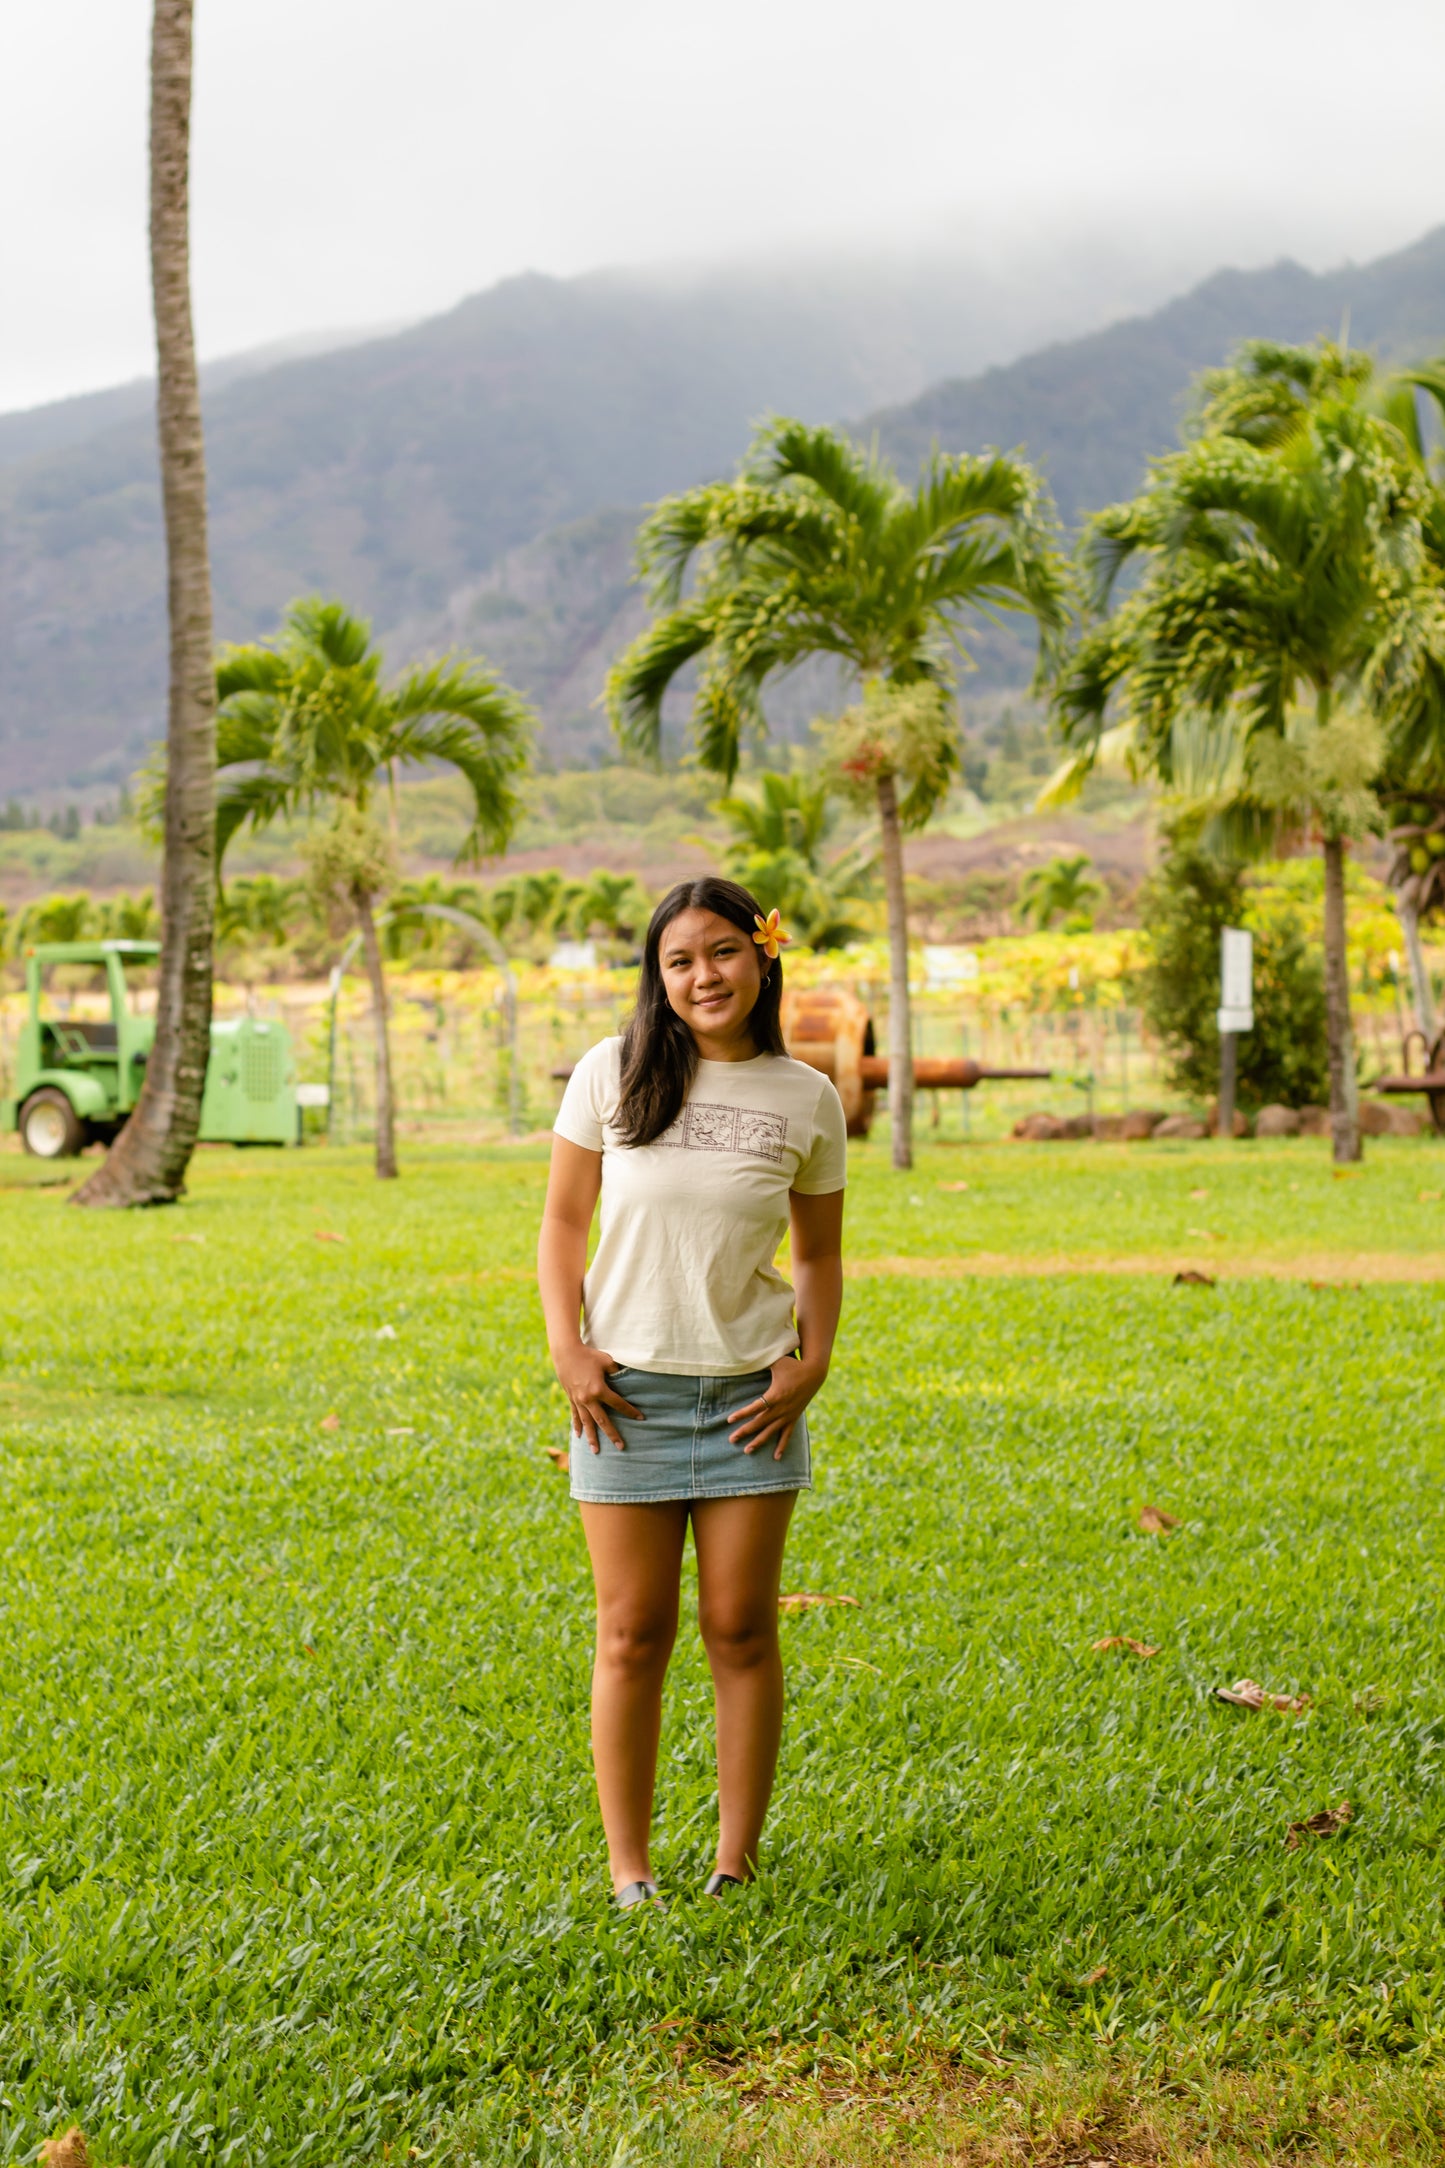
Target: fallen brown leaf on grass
1191 1278
1092 1979
71 2151
1249 1694
325 1234
1197 1196
1154 1521
1327 1823
1339 1287
559 1456
1142 1649
955 1185
1430 1196
804 1601
331 1422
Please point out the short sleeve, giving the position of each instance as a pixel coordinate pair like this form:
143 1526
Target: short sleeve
586 1101
826 1167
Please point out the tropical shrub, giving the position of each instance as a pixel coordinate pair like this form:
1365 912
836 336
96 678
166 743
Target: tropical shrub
1184 907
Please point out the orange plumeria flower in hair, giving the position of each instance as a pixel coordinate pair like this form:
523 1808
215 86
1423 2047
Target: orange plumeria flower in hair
770 936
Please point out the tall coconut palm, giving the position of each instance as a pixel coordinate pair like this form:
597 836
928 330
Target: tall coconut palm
306 722
147 1163
1288 613
816 548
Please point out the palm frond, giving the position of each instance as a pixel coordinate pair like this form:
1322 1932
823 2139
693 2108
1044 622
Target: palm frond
838 469
1112 753
672 534
251 669
329 631
465 690
641 676
246 727
956 492
487 742
260 796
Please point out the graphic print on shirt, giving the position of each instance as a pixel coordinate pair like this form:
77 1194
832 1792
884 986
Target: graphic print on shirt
706 1128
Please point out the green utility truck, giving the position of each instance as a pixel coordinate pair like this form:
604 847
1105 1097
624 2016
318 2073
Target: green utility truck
76 1081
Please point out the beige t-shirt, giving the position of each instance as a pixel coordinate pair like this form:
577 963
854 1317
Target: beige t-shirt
683 1279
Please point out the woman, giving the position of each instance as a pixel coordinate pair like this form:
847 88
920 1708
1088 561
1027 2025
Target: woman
678 1353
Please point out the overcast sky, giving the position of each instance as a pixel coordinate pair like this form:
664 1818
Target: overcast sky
368 161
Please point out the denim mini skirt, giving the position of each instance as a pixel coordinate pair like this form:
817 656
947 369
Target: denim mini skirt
683 1449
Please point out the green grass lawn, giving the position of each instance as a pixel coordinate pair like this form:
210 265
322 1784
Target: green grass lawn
300 1858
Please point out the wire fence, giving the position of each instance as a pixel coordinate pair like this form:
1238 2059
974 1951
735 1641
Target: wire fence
453 1050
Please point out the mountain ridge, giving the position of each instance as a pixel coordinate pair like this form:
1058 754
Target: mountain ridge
476 477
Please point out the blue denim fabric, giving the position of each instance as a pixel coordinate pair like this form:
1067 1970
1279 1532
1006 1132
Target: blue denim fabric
682 1450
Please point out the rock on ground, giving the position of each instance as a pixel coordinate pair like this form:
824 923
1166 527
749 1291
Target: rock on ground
1182 1125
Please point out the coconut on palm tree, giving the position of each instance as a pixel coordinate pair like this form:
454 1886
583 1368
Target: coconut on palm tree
305 723
816 548
148 1161
1283 644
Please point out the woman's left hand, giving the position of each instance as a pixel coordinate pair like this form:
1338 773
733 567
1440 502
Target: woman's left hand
761 1421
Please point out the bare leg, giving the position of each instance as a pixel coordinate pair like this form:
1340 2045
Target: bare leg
636 1556
739 1569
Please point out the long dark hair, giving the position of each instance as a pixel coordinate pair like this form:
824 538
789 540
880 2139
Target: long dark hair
659 1053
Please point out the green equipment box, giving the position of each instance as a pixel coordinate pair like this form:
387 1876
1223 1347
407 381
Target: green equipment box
76 1080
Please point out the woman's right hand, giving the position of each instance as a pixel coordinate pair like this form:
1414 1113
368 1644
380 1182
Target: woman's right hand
582 1372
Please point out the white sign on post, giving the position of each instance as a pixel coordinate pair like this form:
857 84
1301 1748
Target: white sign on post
1236 980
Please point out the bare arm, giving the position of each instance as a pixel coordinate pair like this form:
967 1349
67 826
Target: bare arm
582 1371
817 1249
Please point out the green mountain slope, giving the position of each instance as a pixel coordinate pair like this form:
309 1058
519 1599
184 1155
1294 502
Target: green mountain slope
1092 411
469 480
396 471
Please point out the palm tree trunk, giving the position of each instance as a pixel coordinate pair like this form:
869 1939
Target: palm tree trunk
147 1165
380 1019
1344 1090
1409 919
900 1038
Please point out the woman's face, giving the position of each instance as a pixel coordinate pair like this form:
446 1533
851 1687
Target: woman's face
711 973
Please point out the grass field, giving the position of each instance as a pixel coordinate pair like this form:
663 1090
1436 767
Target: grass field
300 1859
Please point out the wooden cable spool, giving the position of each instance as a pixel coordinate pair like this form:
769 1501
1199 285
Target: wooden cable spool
829 1028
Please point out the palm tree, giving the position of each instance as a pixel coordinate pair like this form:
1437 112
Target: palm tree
1417 875
1064 888
782 812
260 905
1287 627
306 721
1418 829
781 825
816 548
614 904
148 1161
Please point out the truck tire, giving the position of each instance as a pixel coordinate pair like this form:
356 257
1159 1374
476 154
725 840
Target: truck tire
49 1126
